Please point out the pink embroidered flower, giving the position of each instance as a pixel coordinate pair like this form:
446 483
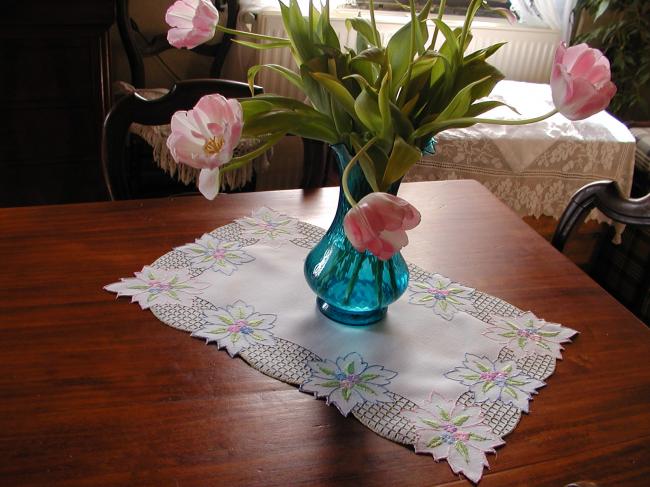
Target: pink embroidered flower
192 22
378 224
205 138
581 81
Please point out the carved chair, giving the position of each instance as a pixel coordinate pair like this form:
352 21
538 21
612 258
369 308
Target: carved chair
138 46
120 174
634 212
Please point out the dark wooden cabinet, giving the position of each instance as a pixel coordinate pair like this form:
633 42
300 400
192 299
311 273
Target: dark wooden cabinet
54 94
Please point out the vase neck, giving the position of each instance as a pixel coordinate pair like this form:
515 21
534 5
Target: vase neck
357 183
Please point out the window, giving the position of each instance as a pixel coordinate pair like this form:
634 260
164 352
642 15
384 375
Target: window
454 7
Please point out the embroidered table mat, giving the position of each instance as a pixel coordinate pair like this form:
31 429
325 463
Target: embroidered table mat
449 371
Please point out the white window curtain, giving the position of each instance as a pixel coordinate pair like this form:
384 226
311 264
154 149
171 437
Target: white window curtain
556 14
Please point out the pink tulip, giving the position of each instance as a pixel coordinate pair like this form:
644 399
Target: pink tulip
581 81
378 224
205 138
192 22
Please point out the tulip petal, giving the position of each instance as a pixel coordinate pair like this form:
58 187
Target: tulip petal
209 183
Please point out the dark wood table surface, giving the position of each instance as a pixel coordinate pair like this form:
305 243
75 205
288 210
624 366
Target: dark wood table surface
95 391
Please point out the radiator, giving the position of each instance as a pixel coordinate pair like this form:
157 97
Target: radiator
527 56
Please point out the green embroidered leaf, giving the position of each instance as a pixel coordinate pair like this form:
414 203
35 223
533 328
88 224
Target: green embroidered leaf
521 341
460 420
173 294
346 393
515 382
443 414
150 275
462 449
507 369
471 377
512 392
430 422
474 436
548 334
234 338
255 322
350 368
216 331
330 383
437 441
512 325
443 304
225 320
509 334
487 386
325 370
368 377
174 280
481 367
366 388
151 297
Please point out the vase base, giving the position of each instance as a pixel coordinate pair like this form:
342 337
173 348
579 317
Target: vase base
353 318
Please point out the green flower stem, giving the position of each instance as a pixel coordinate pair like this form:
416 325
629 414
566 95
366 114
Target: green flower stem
379 270
441 12
237 162
348 168
434 127
414 25
393 279
472 8
353 279
252 35
374 24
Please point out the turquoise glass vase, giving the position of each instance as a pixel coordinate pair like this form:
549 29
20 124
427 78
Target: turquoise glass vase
352 287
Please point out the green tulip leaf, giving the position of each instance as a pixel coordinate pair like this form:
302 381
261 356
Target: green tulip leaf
402 158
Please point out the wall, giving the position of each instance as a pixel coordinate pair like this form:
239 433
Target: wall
150 17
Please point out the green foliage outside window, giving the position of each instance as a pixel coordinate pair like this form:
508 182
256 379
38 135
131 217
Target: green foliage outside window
625 39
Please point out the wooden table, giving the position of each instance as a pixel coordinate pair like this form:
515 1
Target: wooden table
95 391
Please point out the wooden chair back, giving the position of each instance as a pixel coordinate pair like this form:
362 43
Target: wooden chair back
622 269
134 108
138 47
607 197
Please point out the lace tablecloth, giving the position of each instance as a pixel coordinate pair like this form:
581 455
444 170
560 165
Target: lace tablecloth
534 169
449 371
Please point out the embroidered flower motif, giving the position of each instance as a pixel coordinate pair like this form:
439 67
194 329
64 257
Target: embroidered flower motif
209 252
156 286
348 382
495 381
237 327
455 433
527 334
269 225
442 295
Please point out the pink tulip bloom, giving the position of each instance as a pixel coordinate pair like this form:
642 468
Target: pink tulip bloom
378 224
581 81
192 22
205 138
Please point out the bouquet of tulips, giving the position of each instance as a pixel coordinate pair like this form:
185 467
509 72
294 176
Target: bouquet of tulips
384 102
